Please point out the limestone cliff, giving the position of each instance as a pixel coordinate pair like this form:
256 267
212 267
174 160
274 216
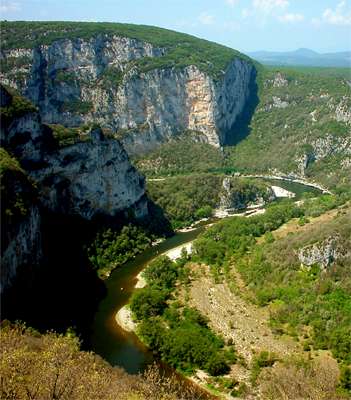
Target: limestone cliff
101 79
87 179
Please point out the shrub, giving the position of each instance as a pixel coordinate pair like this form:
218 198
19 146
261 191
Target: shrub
148 302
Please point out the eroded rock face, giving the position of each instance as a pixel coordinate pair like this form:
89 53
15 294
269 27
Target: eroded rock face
322 148
232 198
90 179
322 253
78 81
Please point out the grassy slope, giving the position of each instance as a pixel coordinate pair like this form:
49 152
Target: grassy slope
181 49
309 305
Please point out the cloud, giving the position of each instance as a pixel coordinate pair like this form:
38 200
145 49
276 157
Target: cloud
9 7
291 18
339 16
232 3
206 19
268 6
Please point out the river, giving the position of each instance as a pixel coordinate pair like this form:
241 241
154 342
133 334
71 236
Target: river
107 338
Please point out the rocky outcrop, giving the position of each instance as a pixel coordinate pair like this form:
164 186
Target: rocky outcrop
79 81
343 111
322 148
90 179
233 196
323 253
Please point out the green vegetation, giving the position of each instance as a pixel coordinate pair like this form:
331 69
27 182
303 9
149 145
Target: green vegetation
10 63
113 248
298 297
180 156
186 199
305 297
16 107
51 366
69 136
181 49
17 192
65 76
233 237
111 77
336 72
179 335
76 106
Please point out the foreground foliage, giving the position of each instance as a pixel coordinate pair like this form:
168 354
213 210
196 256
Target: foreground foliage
51 366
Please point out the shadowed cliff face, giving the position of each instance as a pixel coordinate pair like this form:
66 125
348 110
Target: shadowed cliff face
80 81
87 181
241 127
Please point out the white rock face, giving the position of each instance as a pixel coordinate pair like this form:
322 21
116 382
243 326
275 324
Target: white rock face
323 253
90 179
343 111
145 107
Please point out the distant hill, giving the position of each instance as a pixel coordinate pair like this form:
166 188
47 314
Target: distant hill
304 57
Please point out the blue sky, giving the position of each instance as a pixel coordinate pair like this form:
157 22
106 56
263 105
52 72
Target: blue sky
246 25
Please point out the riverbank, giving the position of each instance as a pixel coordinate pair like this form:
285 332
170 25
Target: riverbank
124 319
289 179
123 316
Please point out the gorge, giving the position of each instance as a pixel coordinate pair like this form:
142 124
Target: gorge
120 142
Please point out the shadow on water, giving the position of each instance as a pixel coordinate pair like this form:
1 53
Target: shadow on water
241 128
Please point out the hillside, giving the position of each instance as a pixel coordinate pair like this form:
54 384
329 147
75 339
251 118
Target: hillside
302 115
303 57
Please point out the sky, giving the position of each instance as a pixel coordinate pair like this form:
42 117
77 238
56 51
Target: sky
246 25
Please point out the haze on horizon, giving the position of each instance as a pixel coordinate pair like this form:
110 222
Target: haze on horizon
246 25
